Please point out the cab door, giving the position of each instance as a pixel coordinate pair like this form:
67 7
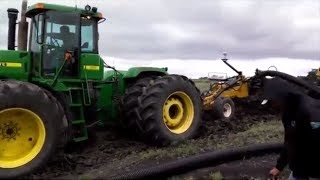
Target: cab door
61 36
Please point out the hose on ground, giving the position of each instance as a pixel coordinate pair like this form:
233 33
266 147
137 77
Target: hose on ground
200 161
289 78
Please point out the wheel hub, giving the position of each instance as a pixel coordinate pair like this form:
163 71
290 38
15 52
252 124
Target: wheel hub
227 110
9 131
173 112
22 135
178 112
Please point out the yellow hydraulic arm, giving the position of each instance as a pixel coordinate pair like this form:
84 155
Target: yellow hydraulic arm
235 87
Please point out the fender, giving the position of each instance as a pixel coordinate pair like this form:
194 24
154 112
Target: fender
138 71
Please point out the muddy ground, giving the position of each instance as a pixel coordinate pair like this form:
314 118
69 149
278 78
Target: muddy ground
255 168
112 152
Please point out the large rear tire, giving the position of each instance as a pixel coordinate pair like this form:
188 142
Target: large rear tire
169 110
131 104
29 128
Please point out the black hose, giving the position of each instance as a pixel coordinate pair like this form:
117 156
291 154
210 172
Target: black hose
289 78
199 161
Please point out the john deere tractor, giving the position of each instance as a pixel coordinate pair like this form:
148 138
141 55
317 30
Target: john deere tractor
56 85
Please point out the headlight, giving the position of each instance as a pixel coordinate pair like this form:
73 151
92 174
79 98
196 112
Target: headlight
87 8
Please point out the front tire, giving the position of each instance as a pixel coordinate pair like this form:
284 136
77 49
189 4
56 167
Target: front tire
29 132
224 108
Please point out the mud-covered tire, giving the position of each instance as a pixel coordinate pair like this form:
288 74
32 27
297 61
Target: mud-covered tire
43 114
65 124
155 110
130 120
223 108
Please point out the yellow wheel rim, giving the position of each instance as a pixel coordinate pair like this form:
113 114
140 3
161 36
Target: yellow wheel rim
178 112
22 135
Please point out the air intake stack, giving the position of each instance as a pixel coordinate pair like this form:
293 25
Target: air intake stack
12 15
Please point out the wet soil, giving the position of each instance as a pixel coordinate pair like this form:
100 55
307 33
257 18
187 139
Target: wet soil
111 151
248 169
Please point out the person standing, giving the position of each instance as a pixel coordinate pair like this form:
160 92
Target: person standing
300 120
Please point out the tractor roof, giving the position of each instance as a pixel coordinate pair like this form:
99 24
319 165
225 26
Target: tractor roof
41 7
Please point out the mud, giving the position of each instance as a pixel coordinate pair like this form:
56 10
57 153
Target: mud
110 150
247 169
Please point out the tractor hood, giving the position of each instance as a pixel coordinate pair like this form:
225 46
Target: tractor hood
14 64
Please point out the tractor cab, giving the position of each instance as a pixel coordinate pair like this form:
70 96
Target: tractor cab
64 41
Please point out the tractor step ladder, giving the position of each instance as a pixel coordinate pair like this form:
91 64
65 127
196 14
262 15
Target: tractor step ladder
78 99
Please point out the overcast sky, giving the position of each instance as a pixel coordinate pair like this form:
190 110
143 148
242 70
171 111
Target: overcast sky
189 36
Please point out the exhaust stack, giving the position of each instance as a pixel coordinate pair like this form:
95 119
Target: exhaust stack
23 28
12 15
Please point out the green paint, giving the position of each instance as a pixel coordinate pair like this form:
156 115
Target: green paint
135 71
14 64
91 66
40 7
93 92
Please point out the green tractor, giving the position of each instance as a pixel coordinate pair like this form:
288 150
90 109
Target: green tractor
56 85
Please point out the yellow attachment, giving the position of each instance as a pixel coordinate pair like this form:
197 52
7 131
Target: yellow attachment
178 112
240 91
22 135
318 73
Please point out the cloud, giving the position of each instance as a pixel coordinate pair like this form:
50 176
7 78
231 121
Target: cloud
246 30
195 68
176 29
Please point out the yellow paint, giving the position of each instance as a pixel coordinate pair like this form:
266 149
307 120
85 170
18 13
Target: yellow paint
240 91
39 6
178 112
318 73
90 67
100 15
22 136
10 64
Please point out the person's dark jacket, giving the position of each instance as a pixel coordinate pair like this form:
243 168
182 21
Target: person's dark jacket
301 140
